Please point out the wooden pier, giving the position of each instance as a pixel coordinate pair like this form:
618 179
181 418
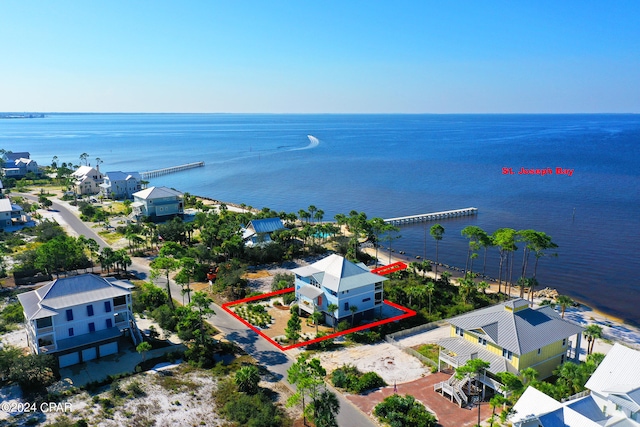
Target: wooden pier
166 171
431 216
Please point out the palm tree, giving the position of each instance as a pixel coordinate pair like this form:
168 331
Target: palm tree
331 308
353 309
247 379
312 210
504 238
529 375
430 288
436 232
483 286
473 233
591 333
316 316
326 408
563 301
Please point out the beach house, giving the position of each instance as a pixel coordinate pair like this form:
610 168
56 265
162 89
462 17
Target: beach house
612 398
120 185
79 318
87 180
511 336
20 167
335 280
259 231
11 214
157 203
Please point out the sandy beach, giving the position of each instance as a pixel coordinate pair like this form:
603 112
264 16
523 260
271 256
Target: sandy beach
613 329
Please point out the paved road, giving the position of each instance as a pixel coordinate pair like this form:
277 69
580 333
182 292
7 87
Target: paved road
265 353
62 213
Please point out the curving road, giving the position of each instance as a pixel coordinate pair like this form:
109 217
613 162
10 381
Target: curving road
277 361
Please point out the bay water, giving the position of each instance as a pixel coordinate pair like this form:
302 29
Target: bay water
581 184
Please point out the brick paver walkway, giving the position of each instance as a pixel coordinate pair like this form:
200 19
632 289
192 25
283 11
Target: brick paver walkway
449 414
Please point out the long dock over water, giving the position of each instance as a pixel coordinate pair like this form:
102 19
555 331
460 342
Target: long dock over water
172 169
431 216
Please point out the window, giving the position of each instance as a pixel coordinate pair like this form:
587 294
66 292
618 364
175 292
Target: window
109 323
45 322
539 350
564 342
507 354
366 299
92 327
482 341
70 332
69 315
562 359
90 310
459 331
346 306
107 306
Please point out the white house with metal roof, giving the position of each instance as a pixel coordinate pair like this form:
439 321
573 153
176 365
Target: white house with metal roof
87 180
259 231
613 398
336 280
79 318
121 185
157 203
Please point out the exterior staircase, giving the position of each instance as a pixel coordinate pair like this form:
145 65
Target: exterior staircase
454 388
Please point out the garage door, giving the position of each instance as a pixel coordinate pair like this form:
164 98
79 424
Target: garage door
89 354
107 349
69 359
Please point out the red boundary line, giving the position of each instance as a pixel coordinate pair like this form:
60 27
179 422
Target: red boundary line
407 313
388 269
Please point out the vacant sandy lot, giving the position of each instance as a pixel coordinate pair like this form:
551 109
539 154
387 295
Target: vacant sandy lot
387 360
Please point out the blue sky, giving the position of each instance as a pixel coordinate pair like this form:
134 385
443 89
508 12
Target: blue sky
345 56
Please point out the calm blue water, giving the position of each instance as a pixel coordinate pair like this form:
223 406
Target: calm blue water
395 165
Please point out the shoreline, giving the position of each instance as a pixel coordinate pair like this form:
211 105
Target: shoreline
587 314
584 312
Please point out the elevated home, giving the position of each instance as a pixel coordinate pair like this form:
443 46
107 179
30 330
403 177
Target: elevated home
510 336
79 318
157 203
121 185
335 280
20 167
11 214
612 398
87 180
11 156
259 231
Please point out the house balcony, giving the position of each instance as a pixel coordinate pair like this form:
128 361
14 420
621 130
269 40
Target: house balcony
451 359
120 308
44 349
45 330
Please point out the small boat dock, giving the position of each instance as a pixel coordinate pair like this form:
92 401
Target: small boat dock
172 169
402 220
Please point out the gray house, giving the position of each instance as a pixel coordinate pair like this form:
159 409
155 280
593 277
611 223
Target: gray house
157 203
121 185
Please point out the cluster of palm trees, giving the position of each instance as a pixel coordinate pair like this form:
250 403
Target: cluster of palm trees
534 242
118 260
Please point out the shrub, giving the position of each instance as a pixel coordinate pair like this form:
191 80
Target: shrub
370 380
288 298
404 411
344 325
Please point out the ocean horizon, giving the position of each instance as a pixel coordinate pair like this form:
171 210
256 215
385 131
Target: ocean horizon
574 176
